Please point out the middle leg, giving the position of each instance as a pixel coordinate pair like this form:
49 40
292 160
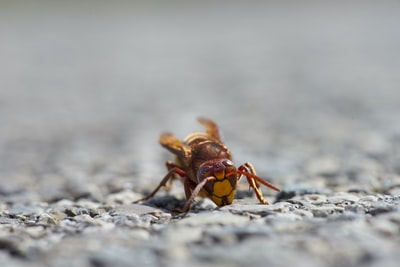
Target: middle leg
173 169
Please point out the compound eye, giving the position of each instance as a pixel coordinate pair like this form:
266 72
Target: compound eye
229 165
204 171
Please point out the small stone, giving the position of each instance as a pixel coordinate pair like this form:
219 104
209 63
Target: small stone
131 221
46 219
138 209
380 207
326 210
68 225
84 218
288 193
7 220
233 234
96 212
36 231
343 198
284 222
132 215
282 207
210 218
182 235
386 227
25 210
139 234
316 199
99 226
356 208
257 209
120 255
303 213
369 198
123 197
203 204
57 215
346 216
11 244
75 211
284 217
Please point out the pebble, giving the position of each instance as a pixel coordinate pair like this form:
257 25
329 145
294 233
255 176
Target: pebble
303 213
288 193
232 234
326 210
47 219
119 255
142 210
343 199
380 207
36 231
255 209
136 209
283 217
211 218
25 210
123 197
182 234
316 199
7 220
385 227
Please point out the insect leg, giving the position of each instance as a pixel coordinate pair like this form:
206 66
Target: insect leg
170 166
189 186
168 176
195 192
248 167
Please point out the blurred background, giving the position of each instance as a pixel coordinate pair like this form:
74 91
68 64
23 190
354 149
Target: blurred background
86 87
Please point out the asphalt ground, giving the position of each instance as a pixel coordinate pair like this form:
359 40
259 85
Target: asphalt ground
306 91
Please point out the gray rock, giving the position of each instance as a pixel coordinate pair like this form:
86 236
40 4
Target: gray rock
26 210
326 210
176 234
36 231
141 210
211 218
123 197
117 255
311 193
7 220
47 219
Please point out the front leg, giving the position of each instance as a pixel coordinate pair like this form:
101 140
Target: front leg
192 190
248 168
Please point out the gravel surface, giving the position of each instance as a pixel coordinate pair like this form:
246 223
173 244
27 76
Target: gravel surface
307 92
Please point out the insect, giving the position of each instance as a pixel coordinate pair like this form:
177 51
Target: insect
204 164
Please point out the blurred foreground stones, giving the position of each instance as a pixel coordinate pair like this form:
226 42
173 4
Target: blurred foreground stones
306 92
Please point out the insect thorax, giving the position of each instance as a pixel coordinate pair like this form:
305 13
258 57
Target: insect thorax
208 150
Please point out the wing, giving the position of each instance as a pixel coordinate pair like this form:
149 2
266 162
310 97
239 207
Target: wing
211 127
174 145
